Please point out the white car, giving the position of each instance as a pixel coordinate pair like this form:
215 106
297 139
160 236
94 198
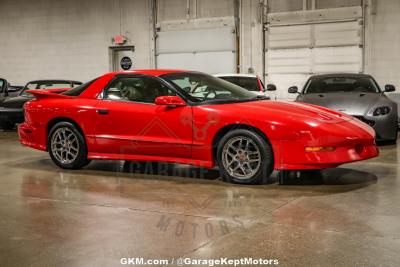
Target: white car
250 82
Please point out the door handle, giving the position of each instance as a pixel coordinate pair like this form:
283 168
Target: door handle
102 111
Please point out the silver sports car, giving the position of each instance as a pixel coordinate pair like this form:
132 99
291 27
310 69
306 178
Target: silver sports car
358 95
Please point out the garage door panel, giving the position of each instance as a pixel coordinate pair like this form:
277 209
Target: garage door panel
337 59
198 40
208 50
286 37
337 68
289 53
204 61
294 52
288 61
337 34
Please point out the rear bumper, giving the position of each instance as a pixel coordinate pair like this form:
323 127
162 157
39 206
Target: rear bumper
352 140
28 136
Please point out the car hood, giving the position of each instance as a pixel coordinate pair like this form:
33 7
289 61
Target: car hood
14 102
292 110
349 103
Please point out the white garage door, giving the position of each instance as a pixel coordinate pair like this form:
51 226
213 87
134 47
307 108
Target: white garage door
295 52
207 50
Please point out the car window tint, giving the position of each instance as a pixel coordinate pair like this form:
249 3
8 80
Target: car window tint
199 87
136 89
248 83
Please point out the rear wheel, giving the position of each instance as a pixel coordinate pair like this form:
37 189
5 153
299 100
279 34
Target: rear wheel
67 146
244 157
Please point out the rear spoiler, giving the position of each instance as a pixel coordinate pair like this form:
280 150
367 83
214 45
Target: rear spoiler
46 94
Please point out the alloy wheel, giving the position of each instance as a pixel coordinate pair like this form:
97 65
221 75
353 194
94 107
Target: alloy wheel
65 145
241 157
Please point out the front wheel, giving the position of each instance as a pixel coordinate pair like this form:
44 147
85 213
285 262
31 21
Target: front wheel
67 146
244 157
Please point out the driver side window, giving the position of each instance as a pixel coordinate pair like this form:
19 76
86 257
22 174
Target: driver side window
136 89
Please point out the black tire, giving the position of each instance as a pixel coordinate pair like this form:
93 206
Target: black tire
81 159
8 126
266 162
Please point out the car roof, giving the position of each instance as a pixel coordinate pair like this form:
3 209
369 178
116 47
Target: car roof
54 80
235 75
340 74
151 72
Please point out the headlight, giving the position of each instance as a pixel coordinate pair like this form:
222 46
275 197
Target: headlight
380 111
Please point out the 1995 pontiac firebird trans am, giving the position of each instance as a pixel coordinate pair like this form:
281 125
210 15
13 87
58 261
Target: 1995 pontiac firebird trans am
190 118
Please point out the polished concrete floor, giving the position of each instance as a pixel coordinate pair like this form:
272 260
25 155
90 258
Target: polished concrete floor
111 210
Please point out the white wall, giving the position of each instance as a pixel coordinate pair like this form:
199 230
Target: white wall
383 60
251 37
68 39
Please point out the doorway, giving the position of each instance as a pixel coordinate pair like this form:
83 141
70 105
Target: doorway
122 58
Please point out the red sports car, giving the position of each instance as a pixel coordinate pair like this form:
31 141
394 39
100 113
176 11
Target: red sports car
191 118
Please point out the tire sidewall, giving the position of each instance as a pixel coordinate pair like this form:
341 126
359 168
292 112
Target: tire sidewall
266 166
81 160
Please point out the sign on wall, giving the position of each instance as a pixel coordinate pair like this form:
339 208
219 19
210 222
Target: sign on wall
126 63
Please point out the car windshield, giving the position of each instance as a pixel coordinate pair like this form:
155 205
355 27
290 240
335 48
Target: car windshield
44 85
249 83
201 88
341 84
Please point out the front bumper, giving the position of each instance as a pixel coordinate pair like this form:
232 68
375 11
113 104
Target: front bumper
352 140
385 127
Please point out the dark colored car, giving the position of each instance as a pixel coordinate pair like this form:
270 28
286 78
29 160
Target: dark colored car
11 108
7 90
358 95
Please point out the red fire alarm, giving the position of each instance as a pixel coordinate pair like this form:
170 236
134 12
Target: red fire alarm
119 39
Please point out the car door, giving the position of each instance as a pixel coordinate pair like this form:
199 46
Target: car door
128 121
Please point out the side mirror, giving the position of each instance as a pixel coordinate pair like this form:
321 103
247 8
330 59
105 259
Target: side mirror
271 87
171 101
293 90
389 88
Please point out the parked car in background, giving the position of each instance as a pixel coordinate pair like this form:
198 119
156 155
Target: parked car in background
155 115
3 87
6 89
248 81
14 90
396 98
358 95
11 108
